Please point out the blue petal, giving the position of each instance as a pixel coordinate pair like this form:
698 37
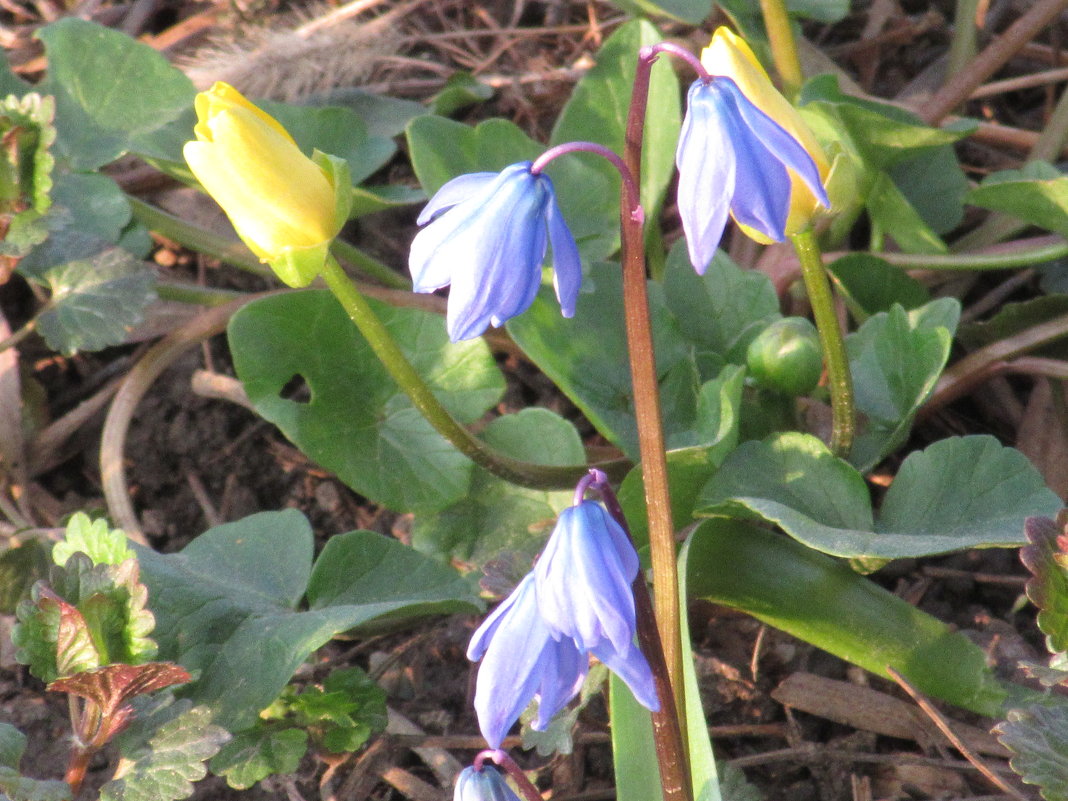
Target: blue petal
779 142
705 159
584 583
453 192
762 185
567 266
482 785
510 673
633 668
563 670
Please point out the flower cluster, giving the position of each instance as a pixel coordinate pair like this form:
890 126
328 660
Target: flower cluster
577 601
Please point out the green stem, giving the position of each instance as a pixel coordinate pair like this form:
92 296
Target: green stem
783 46
963 46
19 335
843 415
369 266
1008 256
400 369
196 238
195 295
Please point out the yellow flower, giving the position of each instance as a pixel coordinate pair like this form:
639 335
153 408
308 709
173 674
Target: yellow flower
729 55
285 206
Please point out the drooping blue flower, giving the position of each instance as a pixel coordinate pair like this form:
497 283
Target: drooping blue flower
583 582
485 784
522 661
486 235
733 158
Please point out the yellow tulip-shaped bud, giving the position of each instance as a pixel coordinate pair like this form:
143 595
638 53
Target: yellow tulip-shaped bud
729 55
285 206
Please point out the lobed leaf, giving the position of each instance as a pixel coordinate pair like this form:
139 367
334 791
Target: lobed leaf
14 787
259 752
102 544
1038 737
1047 588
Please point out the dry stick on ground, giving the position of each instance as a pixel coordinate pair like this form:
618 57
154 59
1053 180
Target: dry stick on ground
956 90
945 728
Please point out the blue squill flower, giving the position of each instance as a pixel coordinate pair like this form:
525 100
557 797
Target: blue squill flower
482 784
521 661
487 236
583 582
732 157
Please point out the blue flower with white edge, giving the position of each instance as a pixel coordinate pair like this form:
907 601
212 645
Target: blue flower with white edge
584 581
482 784
486 236
733 158
522 661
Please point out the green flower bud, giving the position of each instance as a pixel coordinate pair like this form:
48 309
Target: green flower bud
786 357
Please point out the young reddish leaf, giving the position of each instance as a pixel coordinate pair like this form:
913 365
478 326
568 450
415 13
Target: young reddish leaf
52 637
1047 559
111 686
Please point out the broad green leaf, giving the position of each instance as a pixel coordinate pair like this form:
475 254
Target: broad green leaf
962 492
228 604
746 15
495 515
688 11
1037 194
460 91
95 301
357 419
895 359
716 416
19 568
1046 557
258 753
598 107
109 88
934 184
891 214
12 746
720 312
102 544
337 131
14 787
369 199
823 602
586 356
96 203
441 149
1038 737
383 115
10 83
163 752
871 285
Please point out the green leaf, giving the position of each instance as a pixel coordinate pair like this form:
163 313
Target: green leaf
258 753
10 83
460 91
1037 194
383 115
598 107
893 215
14 787
102 544
12 746
586 356
95 301
163 752
52 637
496 515
720 312
934 184
19 568
636 771
370 199
96 204
871 285
716 416
1015 318
1046 557
26 172
822 601
340 132
357 418
1038 737
227 604
109 89
895 359
962 492
111 687
441 149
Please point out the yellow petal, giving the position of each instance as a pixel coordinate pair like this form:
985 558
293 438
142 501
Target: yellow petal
276 197
729 55
223 97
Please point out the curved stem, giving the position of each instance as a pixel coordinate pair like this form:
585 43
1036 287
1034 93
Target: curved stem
843 414
400 369
783 46
1007 256
650 431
